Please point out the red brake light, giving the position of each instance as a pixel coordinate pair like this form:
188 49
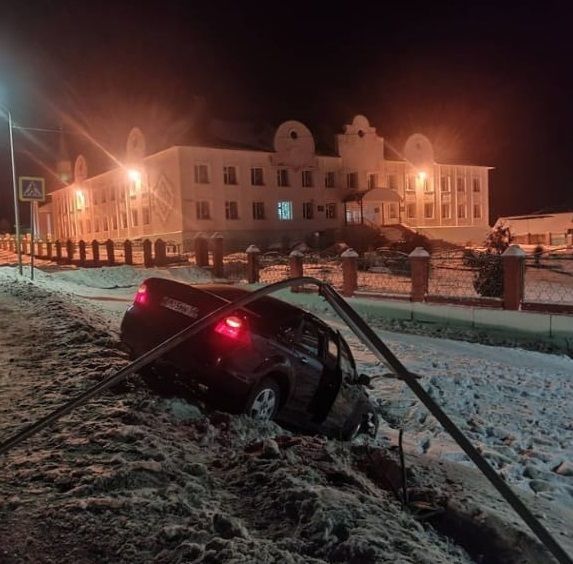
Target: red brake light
235 328
141 296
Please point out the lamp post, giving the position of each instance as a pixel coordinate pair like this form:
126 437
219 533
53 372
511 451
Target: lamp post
15 190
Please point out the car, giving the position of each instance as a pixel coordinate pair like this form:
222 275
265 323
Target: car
270 359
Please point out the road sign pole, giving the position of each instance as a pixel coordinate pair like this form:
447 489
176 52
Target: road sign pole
14 186
33 232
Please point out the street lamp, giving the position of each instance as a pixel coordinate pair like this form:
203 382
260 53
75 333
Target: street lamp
15 190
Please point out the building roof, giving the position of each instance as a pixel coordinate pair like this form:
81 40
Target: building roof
373 195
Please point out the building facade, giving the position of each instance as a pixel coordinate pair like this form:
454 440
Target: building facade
278 195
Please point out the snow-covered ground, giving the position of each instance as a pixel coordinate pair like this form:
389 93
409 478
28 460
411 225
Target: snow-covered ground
158 479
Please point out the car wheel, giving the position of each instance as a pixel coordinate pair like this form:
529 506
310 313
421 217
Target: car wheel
264 401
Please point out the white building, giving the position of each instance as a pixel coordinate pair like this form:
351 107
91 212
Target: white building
280 194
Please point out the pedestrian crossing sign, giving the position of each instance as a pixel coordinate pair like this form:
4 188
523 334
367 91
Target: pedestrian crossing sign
32 189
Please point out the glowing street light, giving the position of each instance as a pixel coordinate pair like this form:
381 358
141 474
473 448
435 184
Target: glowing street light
422 175
134 175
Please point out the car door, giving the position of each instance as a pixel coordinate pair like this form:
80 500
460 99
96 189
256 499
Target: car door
306 355
349 397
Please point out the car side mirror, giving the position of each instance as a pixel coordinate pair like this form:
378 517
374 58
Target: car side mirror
364 380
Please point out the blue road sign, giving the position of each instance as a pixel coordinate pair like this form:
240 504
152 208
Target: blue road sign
32 189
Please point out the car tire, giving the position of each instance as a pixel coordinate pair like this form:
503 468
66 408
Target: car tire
264 401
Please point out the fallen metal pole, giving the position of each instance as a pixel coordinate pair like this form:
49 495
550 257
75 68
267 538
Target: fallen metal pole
375 344
368 337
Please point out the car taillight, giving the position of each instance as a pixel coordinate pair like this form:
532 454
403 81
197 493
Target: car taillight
235 328
142 295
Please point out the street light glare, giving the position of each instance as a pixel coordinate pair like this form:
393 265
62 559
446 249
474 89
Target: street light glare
134 175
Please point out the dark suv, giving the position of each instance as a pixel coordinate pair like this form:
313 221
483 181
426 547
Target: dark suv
270 359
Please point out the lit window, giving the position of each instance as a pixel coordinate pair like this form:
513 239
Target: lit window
284 211
476 185
372 181
258 210
146 215
460 184
461 211
230 175
231 210
201 174
307 181
411 211
446 211
80 200
331 210
134 218
257 176
428 210
329 179
308 210
445 182
282 177
352 180
477 211
203 210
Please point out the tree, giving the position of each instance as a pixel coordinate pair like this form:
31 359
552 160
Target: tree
488 279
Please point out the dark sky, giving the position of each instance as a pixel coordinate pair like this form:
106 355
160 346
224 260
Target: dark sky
488 82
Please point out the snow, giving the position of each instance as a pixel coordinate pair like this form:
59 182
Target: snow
134 477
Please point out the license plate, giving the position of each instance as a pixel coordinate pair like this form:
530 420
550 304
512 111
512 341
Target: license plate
180 307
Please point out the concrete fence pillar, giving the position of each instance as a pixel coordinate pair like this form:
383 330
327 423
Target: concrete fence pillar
160 251
95 251
49 250
82 252
513 261
147 253
296 268
110 251
217 242
253 253
58 246
70 248
349 272
420 268
201 250
128 251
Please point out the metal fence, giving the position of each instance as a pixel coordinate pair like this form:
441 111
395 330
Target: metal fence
274 266
235 267
549 278
384 271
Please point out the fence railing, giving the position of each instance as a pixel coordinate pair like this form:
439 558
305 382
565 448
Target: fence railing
549 278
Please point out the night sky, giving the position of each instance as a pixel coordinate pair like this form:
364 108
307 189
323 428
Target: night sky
488 83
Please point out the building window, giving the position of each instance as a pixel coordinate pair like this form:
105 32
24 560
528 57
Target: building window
284 211
103 196
446 211
257 176
428 187
258 210
307 181
331 210
308 210
461 211
429 210
80 227
80 200
203 210
88 226
113 221
392 211
445 183
112 194
230 174
372 180
282 177
477 211
96 197
329 179
460 184
352 180
124 220
105 224
476 185
146 216
96 225
392 182
201 174
134 218
410 211
411 183
231 210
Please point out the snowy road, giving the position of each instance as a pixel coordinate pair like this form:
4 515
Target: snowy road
514 404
